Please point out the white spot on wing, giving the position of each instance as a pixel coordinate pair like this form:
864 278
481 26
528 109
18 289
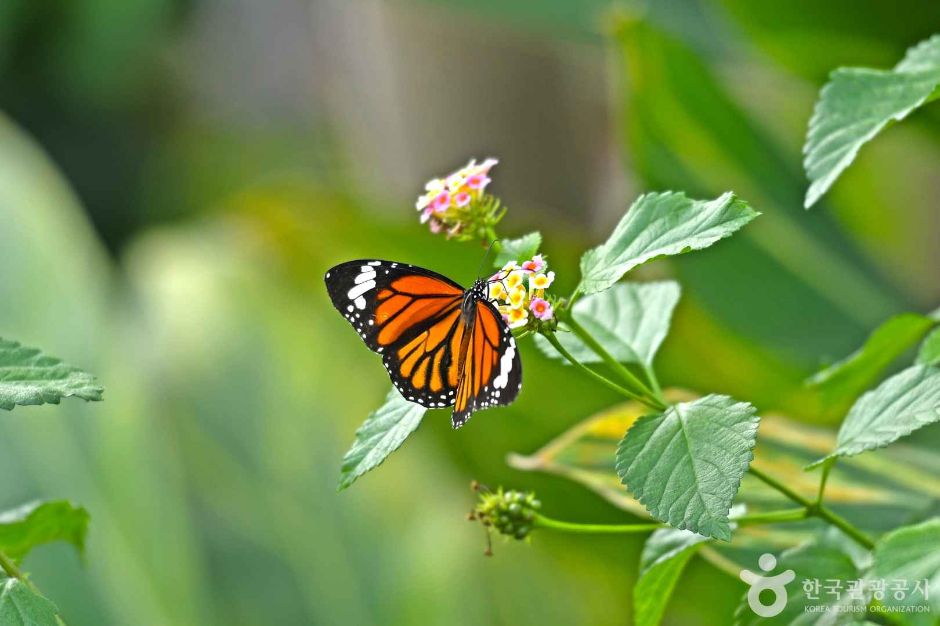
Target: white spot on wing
360 303
360 289
505 366
367 274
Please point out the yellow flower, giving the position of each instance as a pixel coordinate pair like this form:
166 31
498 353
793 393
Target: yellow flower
542 281
517 317
496 291
517 297
514 279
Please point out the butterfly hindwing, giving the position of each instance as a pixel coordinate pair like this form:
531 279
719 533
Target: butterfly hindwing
441 345
492 369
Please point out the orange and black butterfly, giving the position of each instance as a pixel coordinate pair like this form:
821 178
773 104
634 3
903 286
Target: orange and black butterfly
441 344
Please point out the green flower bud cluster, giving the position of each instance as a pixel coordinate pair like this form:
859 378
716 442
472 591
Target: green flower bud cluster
512 513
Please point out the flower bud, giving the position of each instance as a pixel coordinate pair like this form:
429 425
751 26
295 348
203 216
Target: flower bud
510 512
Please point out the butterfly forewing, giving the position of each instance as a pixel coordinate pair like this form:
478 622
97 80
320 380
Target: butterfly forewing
440 344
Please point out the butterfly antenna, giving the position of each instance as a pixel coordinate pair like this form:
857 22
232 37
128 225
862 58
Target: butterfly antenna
485 255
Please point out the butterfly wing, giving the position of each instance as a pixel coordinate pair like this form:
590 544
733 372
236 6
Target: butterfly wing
409 315
491 370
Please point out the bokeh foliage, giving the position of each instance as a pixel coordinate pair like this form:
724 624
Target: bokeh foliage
234 389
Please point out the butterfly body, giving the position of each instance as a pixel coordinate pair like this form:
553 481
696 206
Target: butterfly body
441 344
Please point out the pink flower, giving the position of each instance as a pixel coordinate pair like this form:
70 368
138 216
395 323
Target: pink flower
426 214
478 182
440 202
435 226
487 164
537 264
462 199
541 309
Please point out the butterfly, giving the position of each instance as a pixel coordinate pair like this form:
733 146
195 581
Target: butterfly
442 344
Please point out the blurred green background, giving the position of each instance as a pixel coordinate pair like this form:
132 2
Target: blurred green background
176 176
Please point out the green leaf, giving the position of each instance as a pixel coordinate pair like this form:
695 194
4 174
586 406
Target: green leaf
685 465
28 526
664 557
857 103
876 492
842 382
929 353
630 320
811 561
382 433
910 554
21 606
661 224
896 408
524 247
29 377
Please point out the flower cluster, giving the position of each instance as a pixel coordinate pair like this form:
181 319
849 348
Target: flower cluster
459 205
511 513
519 290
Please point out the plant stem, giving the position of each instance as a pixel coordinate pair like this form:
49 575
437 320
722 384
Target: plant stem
541 521
552 339
770 517
642 390
11 570
654 382
779 486
827 466
816 509
492 239
574 296
8 566
845 526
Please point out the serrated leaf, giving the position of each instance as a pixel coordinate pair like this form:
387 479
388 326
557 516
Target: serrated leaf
896 408
27 376
21 606
857 103
660 224
810 561
929 353
524 247
910 554
876 492
630 320
382 433
665 555
842 382
685 464
36 523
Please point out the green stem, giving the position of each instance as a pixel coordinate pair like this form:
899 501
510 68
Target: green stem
654 382
779 486
552 339
642 390
845 526
826 468
491 238
770 517
9 567
816 509
574 296
541 521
